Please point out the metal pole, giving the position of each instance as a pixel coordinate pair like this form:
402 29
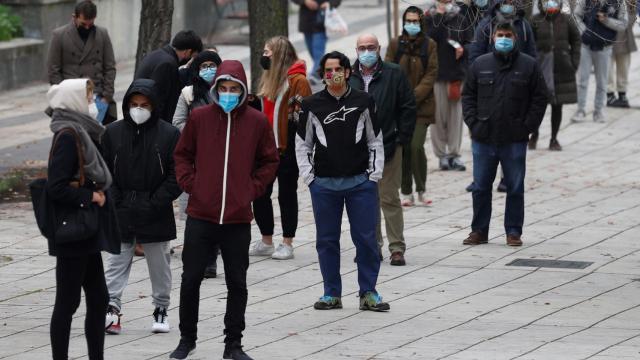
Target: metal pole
389 19
395 19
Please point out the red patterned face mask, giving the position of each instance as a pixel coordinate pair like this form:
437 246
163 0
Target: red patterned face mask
335 78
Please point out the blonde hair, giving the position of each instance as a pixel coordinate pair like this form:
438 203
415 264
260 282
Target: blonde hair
283 56
90 87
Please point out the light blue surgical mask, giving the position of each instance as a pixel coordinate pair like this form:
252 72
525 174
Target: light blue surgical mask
506 9
481 3
208 74
368 58
228 101
412 29
504 44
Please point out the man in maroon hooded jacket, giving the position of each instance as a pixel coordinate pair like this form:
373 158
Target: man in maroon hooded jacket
225 159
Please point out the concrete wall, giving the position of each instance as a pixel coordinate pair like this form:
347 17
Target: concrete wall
20 61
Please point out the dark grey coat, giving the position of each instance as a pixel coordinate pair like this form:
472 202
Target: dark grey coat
558 35
70 58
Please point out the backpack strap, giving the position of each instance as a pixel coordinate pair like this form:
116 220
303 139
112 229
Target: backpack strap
78 149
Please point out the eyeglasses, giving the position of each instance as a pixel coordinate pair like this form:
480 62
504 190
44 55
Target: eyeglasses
208 67
368 48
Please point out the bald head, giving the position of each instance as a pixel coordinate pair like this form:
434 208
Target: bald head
367 39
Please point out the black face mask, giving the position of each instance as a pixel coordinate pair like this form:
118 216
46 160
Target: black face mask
84 32
265 62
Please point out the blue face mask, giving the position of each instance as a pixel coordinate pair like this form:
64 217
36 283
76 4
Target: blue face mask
412 29
503 44
208 74
506 9
481 3
368 58
228 101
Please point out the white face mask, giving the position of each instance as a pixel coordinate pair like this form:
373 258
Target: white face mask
93 110
139 115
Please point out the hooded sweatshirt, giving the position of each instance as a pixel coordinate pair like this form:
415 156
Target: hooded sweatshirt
225 161
140 158
279 111
483 37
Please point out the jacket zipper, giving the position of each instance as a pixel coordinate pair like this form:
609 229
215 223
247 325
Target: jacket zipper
226 163
160 161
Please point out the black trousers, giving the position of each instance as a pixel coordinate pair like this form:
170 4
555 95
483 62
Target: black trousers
199 239
72 275
287 198
556 121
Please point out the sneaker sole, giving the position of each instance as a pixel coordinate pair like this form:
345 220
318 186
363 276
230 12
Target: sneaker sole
189 354
113 330
282 258
339 306
369 308
160 330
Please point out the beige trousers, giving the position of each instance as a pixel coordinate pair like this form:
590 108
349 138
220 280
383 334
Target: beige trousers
389 200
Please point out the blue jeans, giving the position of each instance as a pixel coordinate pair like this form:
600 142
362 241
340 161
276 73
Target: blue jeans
316 44
486 157
362 208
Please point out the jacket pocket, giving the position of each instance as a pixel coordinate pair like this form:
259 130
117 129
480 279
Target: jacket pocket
485 94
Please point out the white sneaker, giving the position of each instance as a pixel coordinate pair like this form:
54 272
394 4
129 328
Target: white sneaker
283 252
406 200
112 321
579 116
598 117
261 249
422 199
160 321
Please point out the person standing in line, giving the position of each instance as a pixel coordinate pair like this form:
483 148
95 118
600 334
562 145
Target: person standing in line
329 122
449 29
161 66
417 56
76 139
558 48
504 100
624 45
203 70
599 22
396 112
139 151
282 86
81 49
225 159
311 24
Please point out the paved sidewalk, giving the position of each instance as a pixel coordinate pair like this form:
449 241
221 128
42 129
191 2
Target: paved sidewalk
449 302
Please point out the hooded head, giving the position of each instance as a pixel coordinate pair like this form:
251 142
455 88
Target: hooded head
71 94
146 87
414 23
230 70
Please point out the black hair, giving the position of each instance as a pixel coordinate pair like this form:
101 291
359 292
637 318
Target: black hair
201 87
413 10
86 8
505 26
187 40
343 59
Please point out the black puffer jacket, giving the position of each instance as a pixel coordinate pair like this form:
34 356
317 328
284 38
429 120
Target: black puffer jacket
161 66
504 98
557 35
140 158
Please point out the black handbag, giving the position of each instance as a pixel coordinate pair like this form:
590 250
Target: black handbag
63 224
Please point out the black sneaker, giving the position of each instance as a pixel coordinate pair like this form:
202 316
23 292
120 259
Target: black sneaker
234 351
611 99
620 102
502 187
470 187
184 349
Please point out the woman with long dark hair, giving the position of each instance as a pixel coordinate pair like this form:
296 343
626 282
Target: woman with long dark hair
71 188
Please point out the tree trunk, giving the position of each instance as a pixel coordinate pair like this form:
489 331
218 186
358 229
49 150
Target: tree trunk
267 18
155 26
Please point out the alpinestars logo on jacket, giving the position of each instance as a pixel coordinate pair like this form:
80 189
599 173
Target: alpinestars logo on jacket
338 115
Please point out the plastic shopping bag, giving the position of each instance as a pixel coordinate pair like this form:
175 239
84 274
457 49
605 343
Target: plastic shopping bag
334 23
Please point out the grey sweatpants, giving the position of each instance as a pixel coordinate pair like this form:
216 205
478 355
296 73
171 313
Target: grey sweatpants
158 261
600 62
446 133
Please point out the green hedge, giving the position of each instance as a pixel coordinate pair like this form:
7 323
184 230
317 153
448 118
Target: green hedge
10 25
